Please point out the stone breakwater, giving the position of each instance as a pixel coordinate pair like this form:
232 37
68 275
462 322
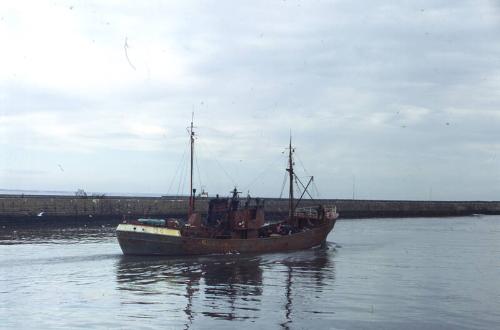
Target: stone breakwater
25 209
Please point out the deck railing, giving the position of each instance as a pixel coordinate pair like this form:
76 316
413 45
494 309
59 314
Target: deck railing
312 211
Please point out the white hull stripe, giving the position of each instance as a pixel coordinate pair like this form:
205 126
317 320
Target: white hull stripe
125 227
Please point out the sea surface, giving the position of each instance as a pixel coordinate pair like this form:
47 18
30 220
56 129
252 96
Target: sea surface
421 273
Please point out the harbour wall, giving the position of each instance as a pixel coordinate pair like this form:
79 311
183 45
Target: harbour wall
16 209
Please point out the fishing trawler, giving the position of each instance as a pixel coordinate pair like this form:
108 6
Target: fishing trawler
232 225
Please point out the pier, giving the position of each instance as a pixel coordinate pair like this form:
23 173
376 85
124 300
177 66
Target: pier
20 209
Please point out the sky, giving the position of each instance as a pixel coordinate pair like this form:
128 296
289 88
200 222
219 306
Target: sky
383 101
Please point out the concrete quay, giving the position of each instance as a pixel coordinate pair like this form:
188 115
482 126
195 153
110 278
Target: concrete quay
19 209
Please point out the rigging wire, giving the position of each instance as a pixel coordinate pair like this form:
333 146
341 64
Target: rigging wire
182 177
301 164
297 184
285 176
315 188
220 165
297 178
283 185
198 168
225 172
252 182
179 166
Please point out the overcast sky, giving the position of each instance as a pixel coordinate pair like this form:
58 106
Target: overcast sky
392 101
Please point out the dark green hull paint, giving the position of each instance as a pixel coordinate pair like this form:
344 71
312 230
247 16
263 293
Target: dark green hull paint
137 243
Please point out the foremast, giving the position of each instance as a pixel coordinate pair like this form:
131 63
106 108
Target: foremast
191 191
291 174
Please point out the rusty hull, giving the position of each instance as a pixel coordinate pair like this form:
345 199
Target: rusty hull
140 243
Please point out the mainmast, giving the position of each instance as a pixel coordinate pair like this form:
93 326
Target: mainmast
191 191
291 174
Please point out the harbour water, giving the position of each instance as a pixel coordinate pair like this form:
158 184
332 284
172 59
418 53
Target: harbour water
420 273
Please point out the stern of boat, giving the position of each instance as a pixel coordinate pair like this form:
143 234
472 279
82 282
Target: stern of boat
137 239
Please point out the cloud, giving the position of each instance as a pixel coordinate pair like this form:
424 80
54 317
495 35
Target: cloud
86 132
402 96
22 172
49 46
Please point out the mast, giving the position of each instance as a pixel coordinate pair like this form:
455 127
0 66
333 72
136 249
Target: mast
290 172
191 137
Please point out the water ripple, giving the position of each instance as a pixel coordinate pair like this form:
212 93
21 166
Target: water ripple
379 273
